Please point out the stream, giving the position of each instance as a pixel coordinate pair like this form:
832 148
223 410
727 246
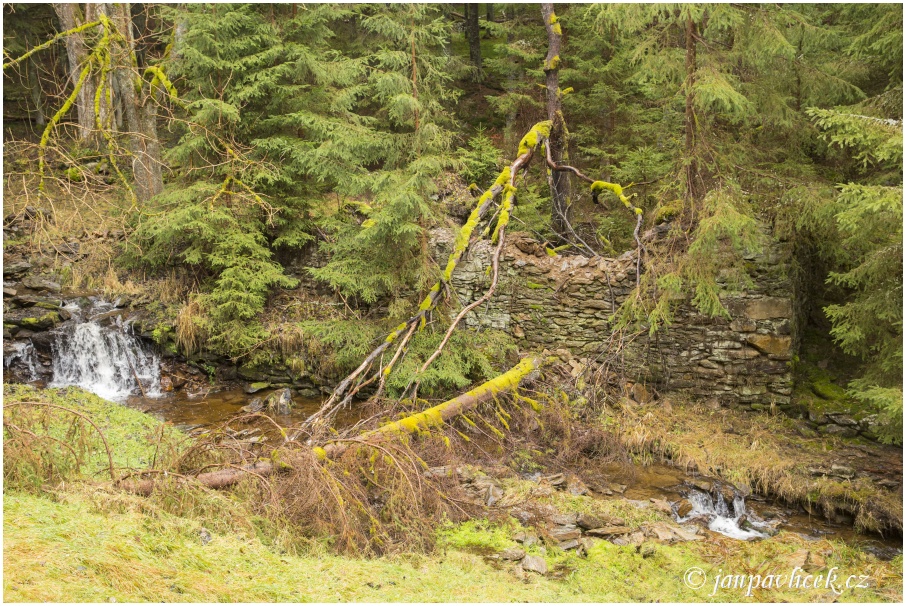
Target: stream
98 351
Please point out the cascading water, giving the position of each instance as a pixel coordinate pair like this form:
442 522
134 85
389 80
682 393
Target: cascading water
103 358
723 518
24 353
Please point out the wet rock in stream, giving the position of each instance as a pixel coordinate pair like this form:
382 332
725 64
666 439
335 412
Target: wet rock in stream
279 402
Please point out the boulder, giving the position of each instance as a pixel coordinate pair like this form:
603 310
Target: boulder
256 405
41 283
279 402
684 508
35 319
513 554
565 534
563 519
609 531
587 521
662 506
256 387
15 268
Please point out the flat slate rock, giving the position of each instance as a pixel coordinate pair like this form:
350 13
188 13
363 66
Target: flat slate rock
513 554
536 564
609 531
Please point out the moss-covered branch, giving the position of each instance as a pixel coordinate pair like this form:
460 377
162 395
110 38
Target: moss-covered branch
599 186
436 416
342 394
52 41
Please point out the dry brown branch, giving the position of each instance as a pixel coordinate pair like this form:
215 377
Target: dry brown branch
80 415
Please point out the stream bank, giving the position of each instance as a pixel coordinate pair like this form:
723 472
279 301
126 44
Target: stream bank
85 541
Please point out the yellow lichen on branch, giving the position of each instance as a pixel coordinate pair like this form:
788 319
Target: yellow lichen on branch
530 141
438 415
52 41
505 208
45 136
598 186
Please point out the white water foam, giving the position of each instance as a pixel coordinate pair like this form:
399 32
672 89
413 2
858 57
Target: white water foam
723 519
108 361
24 351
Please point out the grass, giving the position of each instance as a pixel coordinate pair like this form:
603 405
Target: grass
66 551
135 439
86 541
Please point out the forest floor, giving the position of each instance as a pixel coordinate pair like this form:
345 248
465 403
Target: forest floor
85 541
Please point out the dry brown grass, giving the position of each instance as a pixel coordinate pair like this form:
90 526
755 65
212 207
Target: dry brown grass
763 453
190 333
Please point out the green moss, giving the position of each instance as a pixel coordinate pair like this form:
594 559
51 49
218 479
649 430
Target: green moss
541 130
826 389
480 536
668 211
74 173
534 285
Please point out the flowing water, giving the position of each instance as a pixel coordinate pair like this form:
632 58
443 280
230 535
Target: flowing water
24 353
99 353
724 518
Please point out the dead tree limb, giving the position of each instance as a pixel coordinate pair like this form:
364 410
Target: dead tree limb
221 478
596 188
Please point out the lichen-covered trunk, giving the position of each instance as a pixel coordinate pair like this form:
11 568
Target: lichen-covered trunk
71 16
557 181
440 414
140 118
422 421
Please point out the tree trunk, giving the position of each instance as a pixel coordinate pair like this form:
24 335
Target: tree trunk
436 416
34 88
473 37
691 163
140 118
70 16
558 181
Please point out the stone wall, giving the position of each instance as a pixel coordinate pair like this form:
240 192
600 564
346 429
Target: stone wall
566 301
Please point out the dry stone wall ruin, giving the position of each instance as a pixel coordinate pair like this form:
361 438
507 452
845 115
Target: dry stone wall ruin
566 302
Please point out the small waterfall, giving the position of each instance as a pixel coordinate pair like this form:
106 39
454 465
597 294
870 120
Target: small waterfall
105 359
24 353
723 518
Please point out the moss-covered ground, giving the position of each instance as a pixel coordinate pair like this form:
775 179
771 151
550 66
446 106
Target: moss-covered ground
86 541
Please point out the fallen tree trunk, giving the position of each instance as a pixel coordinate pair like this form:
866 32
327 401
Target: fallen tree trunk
440 414
435 416
349 386
221 478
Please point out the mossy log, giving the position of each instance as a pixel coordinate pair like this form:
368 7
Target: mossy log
436 416
433 417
